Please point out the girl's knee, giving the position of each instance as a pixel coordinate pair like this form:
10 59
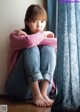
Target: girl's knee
49 50
34 49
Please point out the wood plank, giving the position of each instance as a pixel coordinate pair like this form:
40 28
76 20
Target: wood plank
16 106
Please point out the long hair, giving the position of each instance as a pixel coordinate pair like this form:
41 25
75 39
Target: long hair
34 11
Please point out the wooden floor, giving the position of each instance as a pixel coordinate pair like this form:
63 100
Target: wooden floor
16 106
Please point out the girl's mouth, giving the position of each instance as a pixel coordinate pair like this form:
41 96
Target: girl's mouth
38 30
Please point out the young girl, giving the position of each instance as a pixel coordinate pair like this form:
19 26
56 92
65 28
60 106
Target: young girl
32 59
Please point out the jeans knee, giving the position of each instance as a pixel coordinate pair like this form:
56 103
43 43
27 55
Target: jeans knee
48 48
32 50
49 51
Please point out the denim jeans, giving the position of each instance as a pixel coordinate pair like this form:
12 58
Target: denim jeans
36 63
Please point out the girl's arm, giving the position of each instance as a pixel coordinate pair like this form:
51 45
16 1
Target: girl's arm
21 41
50 41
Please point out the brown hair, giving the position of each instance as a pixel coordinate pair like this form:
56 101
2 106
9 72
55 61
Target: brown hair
34 11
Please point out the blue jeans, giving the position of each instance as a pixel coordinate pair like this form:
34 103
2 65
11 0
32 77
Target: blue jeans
36 63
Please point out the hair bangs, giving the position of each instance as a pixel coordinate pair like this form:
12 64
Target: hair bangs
39 15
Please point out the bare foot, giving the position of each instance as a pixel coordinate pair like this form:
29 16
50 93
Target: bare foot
39 101
48 100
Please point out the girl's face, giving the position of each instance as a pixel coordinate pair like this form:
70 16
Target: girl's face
36 25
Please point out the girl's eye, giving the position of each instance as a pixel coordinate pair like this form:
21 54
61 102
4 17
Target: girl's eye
34 21
42 21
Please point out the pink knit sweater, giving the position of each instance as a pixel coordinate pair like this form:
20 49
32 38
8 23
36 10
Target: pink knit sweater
20 42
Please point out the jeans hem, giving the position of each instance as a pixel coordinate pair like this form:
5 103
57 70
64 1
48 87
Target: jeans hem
48 77
35 77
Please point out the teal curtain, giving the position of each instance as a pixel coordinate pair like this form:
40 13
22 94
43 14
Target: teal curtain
67 72
51 8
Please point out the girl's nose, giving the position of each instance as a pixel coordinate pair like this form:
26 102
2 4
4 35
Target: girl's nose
38 24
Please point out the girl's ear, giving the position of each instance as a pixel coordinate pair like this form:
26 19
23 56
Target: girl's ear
26 22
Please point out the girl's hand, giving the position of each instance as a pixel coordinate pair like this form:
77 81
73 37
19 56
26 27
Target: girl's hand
20 32
48 34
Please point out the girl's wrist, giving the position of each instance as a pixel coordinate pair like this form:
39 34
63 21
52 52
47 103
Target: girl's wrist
42 32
